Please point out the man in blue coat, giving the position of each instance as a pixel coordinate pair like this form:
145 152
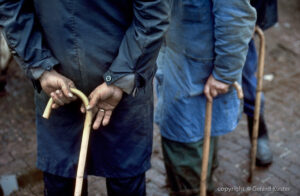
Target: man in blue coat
204 52
108 50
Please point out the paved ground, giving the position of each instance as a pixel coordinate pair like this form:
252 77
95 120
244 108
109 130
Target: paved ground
18 141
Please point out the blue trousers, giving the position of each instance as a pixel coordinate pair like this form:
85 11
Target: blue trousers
61 186
249 81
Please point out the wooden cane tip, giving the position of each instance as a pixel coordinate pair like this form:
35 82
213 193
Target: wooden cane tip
46 115
249 179
48 109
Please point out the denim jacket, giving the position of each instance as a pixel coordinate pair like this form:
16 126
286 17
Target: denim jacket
205 37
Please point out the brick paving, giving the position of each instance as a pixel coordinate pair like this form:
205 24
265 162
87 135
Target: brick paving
282 109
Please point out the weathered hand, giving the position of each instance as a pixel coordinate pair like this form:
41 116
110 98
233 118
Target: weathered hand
58 87
214 87
103 100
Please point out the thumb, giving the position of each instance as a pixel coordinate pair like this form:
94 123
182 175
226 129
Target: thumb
66 89
94 99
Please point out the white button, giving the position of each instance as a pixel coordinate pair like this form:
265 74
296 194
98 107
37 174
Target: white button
108 78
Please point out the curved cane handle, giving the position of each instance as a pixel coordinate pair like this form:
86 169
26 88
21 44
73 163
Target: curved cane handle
238 89
77 92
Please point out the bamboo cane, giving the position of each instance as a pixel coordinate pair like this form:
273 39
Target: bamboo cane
84 141
206 144
260 72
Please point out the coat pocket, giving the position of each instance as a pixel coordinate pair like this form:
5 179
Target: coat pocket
196 10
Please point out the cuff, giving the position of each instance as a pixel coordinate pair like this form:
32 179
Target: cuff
126 83
36 70
227 78
36 73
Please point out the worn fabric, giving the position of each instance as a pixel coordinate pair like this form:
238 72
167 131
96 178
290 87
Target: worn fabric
249 82
205 37
133 186
267 13
183 165
61 186
116 38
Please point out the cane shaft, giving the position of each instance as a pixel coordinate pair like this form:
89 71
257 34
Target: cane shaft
207 134
83 153
84 141
260 72
205 154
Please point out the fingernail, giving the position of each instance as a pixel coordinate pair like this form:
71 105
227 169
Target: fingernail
57 91
70 95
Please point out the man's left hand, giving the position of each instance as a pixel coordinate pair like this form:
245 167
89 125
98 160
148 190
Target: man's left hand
103 100
214 87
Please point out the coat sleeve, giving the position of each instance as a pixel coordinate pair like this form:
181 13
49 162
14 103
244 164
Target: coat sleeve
140 46
234 26
24 38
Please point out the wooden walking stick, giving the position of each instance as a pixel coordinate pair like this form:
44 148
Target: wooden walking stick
84 141
260 72
207 130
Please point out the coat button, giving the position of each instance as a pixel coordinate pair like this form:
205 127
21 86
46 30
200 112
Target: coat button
108 78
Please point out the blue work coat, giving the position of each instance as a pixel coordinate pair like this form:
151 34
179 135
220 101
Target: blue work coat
205 37
90 42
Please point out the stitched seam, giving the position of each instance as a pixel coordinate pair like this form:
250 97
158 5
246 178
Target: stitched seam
76 47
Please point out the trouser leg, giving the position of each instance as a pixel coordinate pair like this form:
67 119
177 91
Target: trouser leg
264 153
133 186
249 81
183 166
61 186
2 80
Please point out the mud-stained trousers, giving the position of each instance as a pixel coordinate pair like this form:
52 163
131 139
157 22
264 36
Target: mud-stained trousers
183 166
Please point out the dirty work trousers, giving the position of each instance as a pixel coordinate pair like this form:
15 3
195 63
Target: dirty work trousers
183 165
60 186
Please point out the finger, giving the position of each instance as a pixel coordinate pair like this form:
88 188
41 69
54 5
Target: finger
98 119
106 106
54 106
62 97
94 99
106 118
213 92
66 89
72 85
222 91
207 93
222 88
56 99
82 108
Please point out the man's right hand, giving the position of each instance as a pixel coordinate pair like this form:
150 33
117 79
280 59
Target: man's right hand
58 87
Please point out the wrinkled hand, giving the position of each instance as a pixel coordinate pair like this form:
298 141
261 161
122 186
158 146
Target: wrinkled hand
103 100
214 87
58 87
